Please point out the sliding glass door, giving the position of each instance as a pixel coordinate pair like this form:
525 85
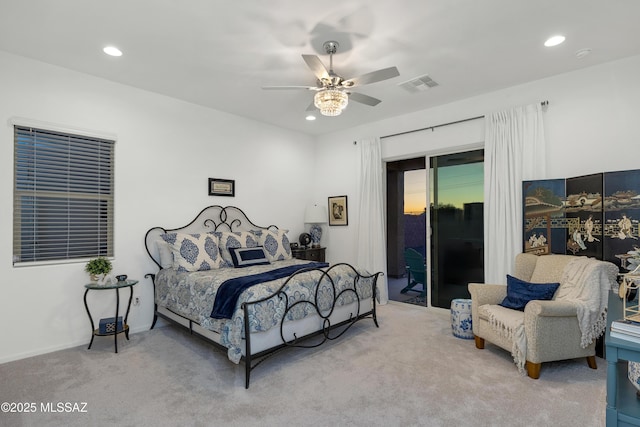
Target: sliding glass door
456 220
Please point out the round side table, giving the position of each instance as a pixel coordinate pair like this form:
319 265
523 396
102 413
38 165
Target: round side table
117 330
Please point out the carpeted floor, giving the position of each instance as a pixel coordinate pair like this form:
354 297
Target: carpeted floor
410 371
418 300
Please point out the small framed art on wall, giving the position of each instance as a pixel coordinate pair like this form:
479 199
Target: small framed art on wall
338 211
222 187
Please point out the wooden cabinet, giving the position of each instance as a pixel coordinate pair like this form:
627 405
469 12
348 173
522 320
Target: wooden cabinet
623 407
311 254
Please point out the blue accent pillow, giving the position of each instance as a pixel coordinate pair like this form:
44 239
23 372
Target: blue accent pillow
245 257
235 239
519 292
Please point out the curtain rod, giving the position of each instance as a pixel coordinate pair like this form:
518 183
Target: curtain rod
543 103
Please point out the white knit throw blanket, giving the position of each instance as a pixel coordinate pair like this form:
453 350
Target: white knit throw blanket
509 323
585 283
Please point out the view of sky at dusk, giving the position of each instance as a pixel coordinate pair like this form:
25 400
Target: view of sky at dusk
456 184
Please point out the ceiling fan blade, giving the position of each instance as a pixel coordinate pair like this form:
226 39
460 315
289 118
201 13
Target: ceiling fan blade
291 87
316 66
372 77
364 99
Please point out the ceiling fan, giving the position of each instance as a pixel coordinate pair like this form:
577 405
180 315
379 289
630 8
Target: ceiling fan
332 91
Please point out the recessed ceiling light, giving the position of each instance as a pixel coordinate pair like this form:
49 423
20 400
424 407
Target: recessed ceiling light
554 41
112 50
310 117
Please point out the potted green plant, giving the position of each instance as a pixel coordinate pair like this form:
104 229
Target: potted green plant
98 268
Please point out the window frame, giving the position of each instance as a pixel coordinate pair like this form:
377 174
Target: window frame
98 189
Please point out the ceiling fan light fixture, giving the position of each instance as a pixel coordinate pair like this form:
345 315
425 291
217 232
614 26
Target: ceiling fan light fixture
331 102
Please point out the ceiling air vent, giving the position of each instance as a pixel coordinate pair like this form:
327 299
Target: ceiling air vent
419 84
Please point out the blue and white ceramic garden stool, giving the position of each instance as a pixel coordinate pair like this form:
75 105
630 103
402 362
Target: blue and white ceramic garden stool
461 318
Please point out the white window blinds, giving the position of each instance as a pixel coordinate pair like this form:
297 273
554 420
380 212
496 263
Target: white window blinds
63 196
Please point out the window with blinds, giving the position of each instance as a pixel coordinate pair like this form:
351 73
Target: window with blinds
63 196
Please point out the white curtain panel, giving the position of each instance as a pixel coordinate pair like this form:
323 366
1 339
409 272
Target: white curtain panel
514 151
372 248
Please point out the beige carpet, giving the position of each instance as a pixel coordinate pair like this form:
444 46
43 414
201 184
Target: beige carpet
410 371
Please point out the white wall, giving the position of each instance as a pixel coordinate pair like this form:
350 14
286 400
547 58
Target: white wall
591 126
165 152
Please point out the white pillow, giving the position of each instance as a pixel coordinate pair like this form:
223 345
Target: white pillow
194 252
164 253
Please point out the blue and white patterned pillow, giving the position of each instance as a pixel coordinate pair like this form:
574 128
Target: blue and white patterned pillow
194 252
235 239
275 243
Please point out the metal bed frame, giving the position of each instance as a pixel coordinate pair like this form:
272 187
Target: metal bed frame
231 218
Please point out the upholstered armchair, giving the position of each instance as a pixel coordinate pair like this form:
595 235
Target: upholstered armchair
560 328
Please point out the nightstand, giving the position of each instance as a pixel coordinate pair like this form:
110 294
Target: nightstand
310 254
118 330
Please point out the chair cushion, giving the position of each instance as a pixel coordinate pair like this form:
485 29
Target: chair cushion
519 292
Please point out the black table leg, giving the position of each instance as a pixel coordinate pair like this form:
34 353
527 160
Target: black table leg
86 306
115 335
126 316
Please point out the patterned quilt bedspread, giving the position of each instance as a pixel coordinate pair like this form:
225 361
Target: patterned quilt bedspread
192 294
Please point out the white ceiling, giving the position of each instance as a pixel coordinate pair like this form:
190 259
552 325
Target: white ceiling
220 53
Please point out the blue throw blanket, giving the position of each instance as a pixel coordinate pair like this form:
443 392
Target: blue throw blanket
230 290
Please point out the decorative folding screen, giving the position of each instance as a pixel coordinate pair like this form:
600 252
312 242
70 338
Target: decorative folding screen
593 215
621 215
544 222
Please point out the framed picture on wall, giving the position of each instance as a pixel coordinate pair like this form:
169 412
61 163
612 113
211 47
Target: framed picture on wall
338 213
222 187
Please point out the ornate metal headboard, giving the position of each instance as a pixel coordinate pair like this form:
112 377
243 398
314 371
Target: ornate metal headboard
212 218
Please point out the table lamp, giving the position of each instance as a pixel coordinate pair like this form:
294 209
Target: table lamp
315 215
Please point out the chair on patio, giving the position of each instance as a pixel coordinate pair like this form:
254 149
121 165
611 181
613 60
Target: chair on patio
416 272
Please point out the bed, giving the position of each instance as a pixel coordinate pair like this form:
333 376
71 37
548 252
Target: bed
236 284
